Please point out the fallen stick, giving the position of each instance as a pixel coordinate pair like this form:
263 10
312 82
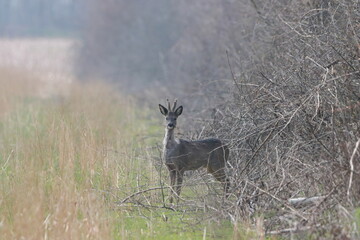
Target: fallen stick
292 230
140 192
304 201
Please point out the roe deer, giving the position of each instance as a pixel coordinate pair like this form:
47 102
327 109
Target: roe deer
182 155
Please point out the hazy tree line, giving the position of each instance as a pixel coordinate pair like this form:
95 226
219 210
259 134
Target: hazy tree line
21 18
127 40
161 42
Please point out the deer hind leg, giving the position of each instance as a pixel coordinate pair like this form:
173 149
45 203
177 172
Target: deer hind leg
220 175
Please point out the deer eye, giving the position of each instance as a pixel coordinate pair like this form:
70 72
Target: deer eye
167 119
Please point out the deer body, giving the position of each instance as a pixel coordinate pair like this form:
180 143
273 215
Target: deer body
182 155
191 155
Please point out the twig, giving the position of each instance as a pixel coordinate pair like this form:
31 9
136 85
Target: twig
343 58
257 150
293 114
333 63
317 64
148 190
352 168
268 79
7 160
256 7
232 73
140 192
138 204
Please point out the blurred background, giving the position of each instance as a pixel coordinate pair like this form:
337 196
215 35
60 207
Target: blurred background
169 45
38 18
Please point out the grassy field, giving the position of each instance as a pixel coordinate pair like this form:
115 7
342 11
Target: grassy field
67 163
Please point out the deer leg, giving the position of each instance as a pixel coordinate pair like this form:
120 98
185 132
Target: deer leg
172 184
220 175
225 181
179 180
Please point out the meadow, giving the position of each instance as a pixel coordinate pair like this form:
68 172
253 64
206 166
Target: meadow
276 81
83 163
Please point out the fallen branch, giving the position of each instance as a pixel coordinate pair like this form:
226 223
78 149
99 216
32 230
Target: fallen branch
292 230
140 192
138 204
144 191
303 201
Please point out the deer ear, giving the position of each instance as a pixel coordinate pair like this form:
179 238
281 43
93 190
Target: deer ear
163 110
179 110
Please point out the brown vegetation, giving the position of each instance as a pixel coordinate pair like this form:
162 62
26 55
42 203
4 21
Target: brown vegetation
294 120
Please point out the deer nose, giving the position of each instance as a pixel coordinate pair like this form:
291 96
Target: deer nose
171 125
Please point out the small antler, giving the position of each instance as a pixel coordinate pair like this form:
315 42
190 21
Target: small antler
174 106
169 108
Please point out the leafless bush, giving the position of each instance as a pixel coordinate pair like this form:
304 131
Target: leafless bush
294 123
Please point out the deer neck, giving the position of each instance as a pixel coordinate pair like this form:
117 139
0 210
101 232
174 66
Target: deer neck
169 140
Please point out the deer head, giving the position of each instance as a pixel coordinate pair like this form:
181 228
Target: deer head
171 114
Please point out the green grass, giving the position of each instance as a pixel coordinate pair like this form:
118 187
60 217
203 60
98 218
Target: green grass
165 224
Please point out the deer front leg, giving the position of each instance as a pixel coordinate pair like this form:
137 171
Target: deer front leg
179 181
172 184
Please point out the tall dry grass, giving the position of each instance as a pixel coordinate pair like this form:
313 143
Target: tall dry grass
63 162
